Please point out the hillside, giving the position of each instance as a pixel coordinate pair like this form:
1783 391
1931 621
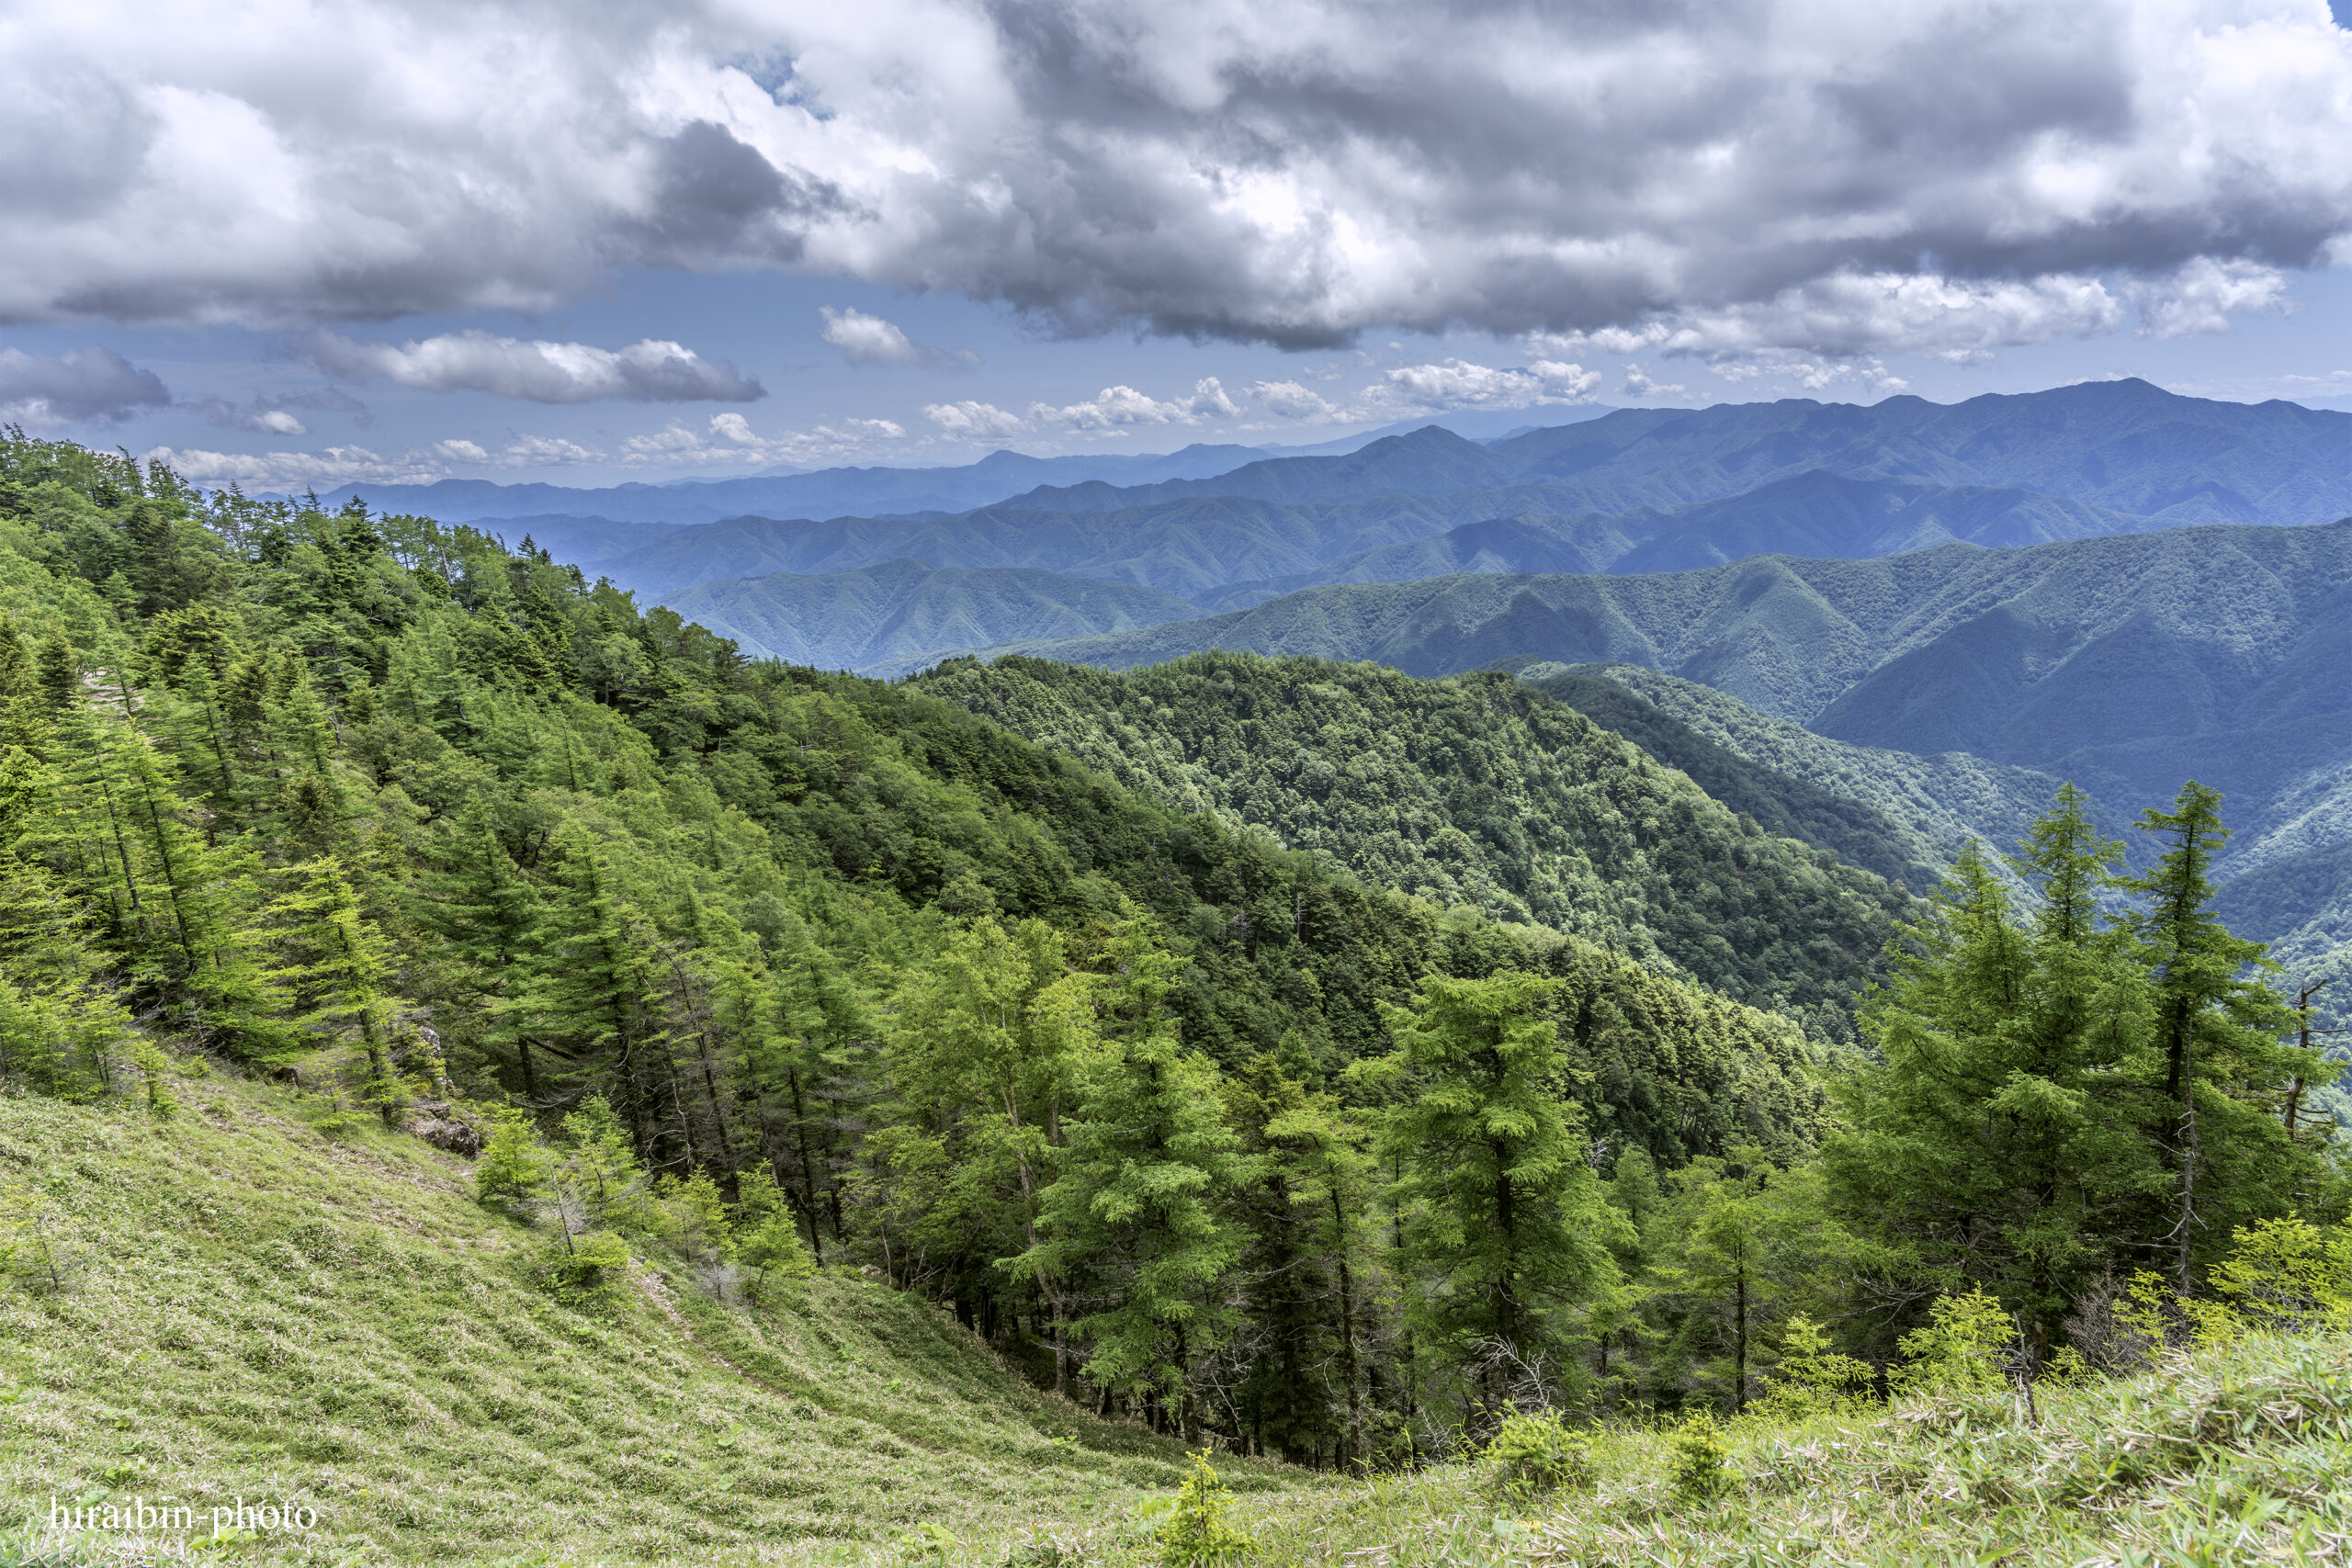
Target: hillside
904 611
2122 663
330 842
1903 816
1468 791
326 1316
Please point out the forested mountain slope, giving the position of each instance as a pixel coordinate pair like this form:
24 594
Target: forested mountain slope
2121 663
324 836
904 611
1472 792
1904 817
1637 490
738 964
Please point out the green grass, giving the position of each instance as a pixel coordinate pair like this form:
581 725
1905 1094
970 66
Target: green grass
258 1309
261 1310
2242 1455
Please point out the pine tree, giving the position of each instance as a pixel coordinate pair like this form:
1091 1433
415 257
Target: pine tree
1312 1257
1135 1207
590 991
487 917
333 968
1502 1217
2219 1029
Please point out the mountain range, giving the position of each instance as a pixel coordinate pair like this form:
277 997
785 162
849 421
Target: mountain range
2087 583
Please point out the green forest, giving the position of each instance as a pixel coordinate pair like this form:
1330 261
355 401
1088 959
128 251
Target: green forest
1299 1061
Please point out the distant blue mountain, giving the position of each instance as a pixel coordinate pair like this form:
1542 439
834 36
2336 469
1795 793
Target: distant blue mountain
828 493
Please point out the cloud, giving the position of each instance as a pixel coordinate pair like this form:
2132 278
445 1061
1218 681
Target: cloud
521 452
1640 383
870 340
1298 172
645 372
973 421
1289 400
1460 384
728 441
293 470
93 386
275 415
1115 407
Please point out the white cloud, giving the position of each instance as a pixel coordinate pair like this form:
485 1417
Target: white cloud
293 470
1289 400
1462 384
93 385
275 415
728 441
870 340
521 452
2204 295
974 421
1113 408
536 371
1640 383
1297 171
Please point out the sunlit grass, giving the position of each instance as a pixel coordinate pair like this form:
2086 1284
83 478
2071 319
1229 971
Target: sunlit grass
261 1310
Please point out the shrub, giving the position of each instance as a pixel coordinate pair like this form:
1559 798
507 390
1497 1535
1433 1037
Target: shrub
1530 1455
513 1165
1962 1349
1810 1377
2290 1276
1197 1533
588 1266
1695 1460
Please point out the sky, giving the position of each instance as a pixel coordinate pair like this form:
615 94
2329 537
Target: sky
283 244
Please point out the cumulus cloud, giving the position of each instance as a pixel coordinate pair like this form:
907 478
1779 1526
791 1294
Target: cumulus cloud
521 452
1460 384
1291 171
1113 408
870 340
292 471
728 441
647 371
973 421
93 386
1290 400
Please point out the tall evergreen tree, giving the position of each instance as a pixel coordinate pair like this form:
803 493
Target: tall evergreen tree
1134 1208
1503 1220
2219 1029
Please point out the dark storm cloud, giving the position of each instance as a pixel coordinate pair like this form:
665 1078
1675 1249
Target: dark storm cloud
1840 174
92 386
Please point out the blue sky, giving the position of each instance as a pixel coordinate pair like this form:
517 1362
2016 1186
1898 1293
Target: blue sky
1270 227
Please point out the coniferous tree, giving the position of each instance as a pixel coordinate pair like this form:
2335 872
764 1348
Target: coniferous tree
334 967
1134 1208
2219 1031
1503 1223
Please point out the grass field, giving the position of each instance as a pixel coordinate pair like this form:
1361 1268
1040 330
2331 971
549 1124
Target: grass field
253 1309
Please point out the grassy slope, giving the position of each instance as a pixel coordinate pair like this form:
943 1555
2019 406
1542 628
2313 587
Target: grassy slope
267 1311
2237 1456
